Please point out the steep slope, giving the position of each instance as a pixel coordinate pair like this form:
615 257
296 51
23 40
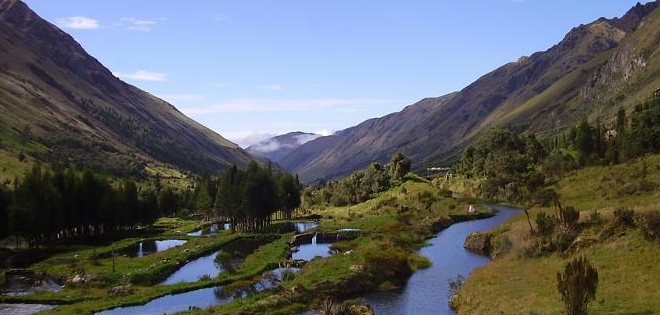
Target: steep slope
55 94
278 147
542 93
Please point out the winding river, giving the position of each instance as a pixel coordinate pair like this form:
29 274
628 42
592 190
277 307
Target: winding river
427 291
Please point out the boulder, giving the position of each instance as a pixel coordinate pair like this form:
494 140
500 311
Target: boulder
479 243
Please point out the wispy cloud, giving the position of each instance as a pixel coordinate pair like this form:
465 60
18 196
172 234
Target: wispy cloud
268 87
142 75
143 25
248 105
78 23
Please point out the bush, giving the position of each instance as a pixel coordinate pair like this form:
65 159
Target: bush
388 264
563 239
569 217
545 224
624 217
577 285
649 224
595 218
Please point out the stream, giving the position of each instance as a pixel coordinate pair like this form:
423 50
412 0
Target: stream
427 291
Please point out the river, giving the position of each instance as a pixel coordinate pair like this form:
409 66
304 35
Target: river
427 291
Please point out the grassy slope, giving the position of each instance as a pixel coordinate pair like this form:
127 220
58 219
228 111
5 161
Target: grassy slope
626 262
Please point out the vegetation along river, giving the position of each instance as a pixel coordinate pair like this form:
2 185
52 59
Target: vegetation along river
427 291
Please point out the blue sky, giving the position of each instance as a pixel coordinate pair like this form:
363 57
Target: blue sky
250 68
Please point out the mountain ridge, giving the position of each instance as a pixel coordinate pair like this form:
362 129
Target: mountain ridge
542 93
56 94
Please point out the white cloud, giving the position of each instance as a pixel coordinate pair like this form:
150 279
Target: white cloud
142 75
247 138
143 25
248 105
78 23
269 87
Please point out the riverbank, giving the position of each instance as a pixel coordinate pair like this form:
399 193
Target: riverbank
390 230
522 279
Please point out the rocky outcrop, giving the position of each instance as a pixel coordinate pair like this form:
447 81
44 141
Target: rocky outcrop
479 243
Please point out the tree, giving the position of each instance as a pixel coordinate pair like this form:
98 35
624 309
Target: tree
398 167
577 285
5 200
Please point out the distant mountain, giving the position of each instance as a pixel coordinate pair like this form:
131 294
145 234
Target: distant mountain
74 110
595 69
278 147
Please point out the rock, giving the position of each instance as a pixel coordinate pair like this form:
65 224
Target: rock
478 243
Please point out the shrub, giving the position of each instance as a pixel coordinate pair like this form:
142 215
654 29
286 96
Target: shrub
649 224
624 217
563 239
595 218
577 285
569 216
388 264
545 224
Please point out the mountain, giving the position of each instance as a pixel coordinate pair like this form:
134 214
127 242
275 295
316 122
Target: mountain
278 147
596 68
71 109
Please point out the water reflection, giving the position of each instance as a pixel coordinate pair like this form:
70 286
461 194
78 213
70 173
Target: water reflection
207 266
309 251
427 291
211 229
23 309
202 298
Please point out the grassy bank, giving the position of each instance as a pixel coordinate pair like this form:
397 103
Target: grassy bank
629 276
393 226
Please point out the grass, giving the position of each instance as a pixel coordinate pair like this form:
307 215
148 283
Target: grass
398 221
629 276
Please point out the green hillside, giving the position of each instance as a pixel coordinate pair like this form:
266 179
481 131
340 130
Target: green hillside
521 280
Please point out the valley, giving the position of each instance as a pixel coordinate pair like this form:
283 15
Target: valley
479 201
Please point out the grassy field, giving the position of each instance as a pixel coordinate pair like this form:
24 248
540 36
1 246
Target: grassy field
629 275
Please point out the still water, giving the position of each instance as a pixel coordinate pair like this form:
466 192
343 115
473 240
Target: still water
427 291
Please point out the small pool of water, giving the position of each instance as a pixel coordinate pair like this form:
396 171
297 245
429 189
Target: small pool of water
302 227
24 309
309 251
211 229
27 283
145 248
202 298
206 265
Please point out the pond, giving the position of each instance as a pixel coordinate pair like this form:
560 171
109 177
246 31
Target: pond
309 251
202 298
146 248
302 227
23 282
211 229
427 291
206 265
23 309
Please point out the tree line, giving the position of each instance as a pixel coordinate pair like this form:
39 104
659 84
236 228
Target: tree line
63 204
630 135
248 198
361 185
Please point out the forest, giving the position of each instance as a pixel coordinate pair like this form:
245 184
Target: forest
64 204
